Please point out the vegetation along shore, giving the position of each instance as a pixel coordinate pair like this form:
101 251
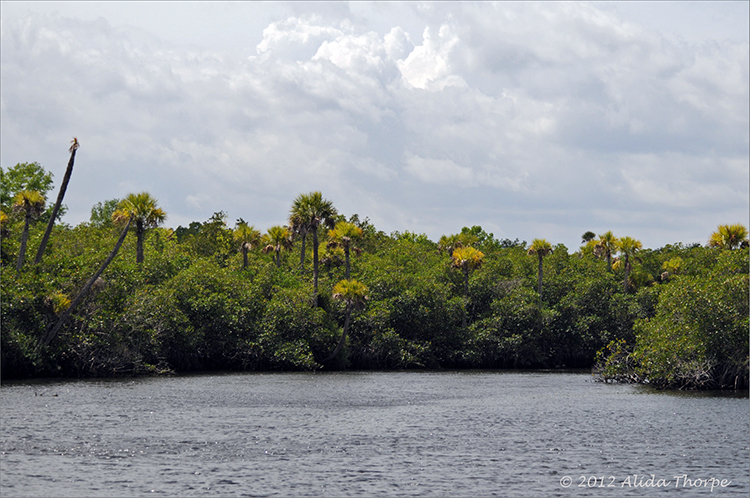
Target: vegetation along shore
122 295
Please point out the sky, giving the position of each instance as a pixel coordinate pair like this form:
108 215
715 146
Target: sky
530 119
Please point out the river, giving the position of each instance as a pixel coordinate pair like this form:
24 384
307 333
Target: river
453 433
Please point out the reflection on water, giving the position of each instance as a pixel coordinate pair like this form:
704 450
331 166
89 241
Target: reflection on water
384 434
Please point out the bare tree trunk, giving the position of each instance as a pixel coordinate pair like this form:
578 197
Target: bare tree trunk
58 203
82 293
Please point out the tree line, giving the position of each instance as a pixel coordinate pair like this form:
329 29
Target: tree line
122 295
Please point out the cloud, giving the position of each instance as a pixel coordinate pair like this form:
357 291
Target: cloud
442 171
428 66
685 182
533 119
295 38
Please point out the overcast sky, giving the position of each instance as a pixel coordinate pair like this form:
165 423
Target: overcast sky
533 120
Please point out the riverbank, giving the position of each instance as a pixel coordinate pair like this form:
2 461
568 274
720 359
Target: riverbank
186 308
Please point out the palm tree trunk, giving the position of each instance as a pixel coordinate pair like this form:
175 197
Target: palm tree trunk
244 256
343 336
315 268
24 241
466 281
58 203
627 272
540 277
302 252
82 293
540 287
346 256
466 295
139 232
277 259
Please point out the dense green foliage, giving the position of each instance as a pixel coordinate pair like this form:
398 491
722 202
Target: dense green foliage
195 304
698 334
26 176
23 176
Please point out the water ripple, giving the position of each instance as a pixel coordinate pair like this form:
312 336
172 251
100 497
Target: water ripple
362 434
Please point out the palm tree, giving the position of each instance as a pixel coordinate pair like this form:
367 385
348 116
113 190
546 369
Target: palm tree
540 248
590 248
606 246
331 256
312 210
143 210
276 239
31 204
58 203
299 227
466 259
4 220
52 332
628 247
449 243
671 267
354 296
343 234
248 237
729 237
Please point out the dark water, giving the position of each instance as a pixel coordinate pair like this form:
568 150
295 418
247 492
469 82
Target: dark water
369 434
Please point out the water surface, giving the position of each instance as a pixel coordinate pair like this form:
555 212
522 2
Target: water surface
368 434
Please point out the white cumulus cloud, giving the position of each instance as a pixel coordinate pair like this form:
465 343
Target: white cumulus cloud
532 119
